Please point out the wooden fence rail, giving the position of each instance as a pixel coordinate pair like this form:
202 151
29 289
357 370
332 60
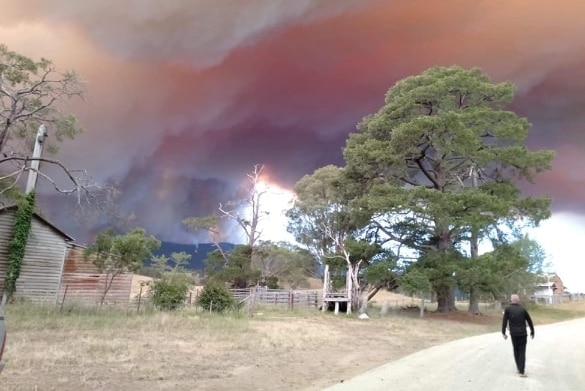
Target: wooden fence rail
278 297
251 297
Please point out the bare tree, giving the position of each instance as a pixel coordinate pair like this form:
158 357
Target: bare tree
247 212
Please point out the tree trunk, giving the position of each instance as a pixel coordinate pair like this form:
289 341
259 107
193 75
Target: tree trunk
473 301
373 292
474 252
108 284
354 286
445 299
445 291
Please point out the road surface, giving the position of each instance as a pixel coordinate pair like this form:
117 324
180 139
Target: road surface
555 360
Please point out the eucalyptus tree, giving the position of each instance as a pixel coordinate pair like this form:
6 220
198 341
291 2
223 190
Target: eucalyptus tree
283 263
33 93
114 254
412 159
323 220
320 217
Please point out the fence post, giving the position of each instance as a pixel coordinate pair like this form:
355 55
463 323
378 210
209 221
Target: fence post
63 300
384 309
139 299
291 299
251 301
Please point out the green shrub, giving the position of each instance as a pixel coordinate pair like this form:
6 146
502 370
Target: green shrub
271 282
170 291
17 245
216 297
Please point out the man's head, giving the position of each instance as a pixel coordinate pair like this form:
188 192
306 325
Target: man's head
515 298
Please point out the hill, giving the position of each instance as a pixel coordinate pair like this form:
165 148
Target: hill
198 252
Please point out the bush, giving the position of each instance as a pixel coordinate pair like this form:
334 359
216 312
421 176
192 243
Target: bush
216 297
170 291
270 282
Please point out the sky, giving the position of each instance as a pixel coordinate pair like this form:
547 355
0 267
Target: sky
184 97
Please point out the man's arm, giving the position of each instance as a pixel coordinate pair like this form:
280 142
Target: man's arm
505 323
530 324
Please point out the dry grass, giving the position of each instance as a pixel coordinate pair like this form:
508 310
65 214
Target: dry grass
82 349
565 311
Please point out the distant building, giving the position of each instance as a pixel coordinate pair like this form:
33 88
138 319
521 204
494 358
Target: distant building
550 290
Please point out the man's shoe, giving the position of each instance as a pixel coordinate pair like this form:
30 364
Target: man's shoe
523 375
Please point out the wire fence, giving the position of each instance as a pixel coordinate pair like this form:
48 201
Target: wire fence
253 297
249 297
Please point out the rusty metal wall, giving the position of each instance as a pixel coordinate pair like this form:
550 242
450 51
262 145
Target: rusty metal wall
83 283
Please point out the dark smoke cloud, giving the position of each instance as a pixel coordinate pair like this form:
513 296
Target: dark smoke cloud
186 96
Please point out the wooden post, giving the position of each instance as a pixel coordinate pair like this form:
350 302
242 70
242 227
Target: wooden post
64 295
384 309
364 305
139 299
325 287
251 301
291 299
349 289
34 165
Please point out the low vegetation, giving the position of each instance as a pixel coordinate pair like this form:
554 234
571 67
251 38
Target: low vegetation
216 297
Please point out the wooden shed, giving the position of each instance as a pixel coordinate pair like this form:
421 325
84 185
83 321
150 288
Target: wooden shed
45 252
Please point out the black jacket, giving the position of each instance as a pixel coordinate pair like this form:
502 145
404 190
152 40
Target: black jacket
517 317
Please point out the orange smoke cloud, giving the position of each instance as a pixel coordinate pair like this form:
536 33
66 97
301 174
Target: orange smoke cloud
190 95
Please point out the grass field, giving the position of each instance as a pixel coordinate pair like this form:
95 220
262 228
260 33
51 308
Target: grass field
81 349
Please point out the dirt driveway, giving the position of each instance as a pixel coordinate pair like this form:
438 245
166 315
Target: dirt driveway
554 362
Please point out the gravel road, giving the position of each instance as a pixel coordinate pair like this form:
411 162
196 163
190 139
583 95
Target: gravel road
555 360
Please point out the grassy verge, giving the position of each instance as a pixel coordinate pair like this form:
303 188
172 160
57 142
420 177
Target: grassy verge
551 314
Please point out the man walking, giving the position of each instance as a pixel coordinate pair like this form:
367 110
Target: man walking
516 317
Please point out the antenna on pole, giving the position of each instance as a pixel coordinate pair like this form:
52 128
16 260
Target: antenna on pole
34 164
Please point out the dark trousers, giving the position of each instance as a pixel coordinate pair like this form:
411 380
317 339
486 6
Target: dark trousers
519 345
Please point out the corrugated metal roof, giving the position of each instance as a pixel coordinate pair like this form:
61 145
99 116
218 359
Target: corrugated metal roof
42 218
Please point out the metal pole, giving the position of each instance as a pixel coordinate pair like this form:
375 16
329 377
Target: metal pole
34 165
